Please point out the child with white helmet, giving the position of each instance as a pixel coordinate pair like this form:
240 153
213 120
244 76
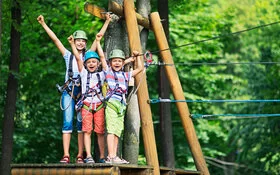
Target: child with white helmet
71 90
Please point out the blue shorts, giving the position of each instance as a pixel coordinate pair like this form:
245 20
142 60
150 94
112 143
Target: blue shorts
68 104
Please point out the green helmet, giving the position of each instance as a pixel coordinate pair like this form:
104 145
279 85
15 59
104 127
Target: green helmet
117 53
80 34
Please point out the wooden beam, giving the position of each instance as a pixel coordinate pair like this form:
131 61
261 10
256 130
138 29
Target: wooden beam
118 10
95 10
178 94
143 95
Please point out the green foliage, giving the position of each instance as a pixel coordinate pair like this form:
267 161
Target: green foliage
253 144
243 141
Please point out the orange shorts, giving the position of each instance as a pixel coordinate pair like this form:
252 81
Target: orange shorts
89 116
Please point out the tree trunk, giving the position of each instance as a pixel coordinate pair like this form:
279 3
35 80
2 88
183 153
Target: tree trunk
10 106
167 147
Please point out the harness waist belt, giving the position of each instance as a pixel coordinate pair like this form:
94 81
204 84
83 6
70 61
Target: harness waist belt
91 110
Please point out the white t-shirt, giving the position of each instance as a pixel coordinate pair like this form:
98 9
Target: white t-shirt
74 64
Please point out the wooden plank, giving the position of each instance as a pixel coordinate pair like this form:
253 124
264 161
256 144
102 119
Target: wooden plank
178 94
80 169
143 95
66 171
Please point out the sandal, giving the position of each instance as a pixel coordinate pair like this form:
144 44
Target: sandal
65 159
79 159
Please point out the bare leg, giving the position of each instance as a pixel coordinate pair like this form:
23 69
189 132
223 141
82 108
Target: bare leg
80 144
110 143
66 137
87 140
116 142
101 144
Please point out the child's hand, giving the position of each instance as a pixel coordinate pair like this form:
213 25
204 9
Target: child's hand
70 39
108 16
98 36
40 19
135 53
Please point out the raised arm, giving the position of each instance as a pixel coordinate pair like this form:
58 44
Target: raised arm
128 60
76 53
100 51
140 66
52 35
102 31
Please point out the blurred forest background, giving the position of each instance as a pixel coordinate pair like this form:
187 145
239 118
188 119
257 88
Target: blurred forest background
244 66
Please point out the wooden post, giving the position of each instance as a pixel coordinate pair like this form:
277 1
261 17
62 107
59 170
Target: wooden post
178 94
118 10
143 96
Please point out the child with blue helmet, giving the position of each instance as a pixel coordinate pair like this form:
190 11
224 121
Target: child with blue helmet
92 107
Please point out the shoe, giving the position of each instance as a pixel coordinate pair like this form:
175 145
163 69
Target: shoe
116 160
102 160
89 160
65 159
79 159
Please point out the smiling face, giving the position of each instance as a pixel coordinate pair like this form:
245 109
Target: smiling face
92 64
80 44
116 64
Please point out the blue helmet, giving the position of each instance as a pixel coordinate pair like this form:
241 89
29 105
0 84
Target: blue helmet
91 54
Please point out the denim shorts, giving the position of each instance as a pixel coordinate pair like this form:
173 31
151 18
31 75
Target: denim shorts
68 104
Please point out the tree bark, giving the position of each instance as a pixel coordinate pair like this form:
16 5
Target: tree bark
167 147
10 106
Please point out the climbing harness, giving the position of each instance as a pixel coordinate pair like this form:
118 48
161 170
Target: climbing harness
89 91
116 91
75 82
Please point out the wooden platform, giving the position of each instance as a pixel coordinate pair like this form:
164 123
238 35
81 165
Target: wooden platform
92 169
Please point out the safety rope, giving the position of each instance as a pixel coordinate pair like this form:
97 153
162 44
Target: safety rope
72 92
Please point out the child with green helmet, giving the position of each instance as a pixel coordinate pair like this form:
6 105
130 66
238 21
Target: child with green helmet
117 81
72 90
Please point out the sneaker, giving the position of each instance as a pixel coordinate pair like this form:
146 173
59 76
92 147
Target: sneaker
116 160
102 160
65 159
79 159
89 160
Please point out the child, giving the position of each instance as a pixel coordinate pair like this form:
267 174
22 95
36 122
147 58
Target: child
68 97
92 104
116 103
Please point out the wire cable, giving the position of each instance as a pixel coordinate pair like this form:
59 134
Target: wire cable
210 63
220 36
161 100
231 116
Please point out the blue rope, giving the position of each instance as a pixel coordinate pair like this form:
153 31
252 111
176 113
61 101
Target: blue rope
196 116
212 101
